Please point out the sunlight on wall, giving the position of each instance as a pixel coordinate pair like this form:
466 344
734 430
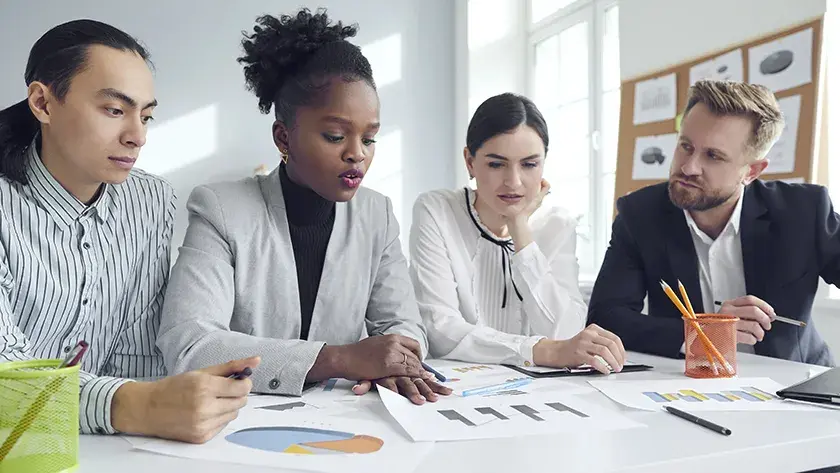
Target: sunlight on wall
180 142
385 57
489 21
386 172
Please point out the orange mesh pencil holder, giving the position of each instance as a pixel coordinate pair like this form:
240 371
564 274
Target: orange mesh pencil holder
715 356
39 417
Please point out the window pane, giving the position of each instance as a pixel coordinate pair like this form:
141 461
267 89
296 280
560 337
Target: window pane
547 73
568 148
610 55
611 104
573 195
607 203
574 63
543 8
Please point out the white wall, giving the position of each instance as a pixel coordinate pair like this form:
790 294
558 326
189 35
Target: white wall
659 33
493 60
655 34
208 127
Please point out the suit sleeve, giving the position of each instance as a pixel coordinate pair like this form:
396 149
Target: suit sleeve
828 239
618 299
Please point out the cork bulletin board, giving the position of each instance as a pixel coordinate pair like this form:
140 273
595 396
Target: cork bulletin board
787 61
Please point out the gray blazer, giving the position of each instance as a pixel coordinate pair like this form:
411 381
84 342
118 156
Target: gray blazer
233 291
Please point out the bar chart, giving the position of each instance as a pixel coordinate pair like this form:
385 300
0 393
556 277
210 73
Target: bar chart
746 394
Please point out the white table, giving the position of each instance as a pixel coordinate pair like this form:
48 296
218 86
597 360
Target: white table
761 441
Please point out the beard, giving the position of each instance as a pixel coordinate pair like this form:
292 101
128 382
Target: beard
695 199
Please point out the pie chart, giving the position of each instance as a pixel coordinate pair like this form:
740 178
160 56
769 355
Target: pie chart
304 441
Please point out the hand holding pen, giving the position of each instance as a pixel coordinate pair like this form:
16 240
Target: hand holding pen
755 317
190 407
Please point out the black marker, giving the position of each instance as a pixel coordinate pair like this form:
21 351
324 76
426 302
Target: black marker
703 422
242 374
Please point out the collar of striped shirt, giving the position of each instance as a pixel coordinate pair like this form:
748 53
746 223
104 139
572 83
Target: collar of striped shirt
62 205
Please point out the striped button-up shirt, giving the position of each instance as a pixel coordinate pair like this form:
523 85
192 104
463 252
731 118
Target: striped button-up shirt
70 272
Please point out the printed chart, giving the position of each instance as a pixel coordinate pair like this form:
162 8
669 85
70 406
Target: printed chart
480 417
745 394
731 394
303 440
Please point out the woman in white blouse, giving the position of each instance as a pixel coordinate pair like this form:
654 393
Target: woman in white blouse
494 270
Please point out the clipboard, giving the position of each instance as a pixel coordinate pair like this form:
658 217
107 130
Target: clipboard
583 370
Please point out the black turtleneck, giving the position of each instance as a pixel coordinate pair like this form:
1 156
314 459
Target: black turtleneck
311 219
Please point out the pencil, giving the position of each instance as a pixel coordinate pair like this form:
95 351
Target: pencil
786 320
702 335
687 300
694 316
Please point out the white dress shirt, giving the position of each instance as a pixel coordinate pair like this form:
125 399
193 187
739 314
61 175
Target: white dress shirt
482 303
720 263
71 271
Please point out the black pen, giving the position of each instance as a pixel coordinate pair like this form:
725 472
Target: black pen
435 372
242 374
703 422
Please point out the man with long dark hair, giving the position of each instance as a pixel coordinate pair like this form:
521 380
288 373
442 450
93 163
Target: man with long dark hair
85 238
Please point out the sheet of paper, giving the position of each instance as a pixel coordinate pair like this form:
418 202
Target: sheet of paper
303 441
732 394
655 100
459 418
582 368
783 63
652 156
729 66
782 156
466 379
476 379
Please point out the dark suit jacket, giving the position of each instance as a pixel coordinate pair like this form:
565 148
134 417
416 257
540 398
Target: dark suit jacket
790 236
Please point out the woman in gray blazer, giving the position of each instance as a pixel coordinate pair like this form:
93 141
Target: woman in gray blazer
299 265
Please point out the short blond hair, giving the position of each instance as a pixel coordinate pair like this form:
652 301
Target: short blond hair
755 102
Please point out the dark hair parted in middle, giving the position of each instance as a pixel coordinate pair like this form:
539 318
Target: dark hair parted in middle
502 114
290 60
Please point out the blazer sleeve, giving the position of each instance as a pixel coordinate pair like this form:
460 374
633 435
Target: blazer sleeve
553 303
392 307
195 328
828 238
450 335
618 299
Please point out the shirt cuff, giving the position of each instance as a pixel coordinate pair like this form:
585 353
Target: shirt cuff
526 350
95 404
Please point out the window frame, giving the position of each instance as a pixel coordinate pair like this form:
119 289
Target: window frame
594 12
